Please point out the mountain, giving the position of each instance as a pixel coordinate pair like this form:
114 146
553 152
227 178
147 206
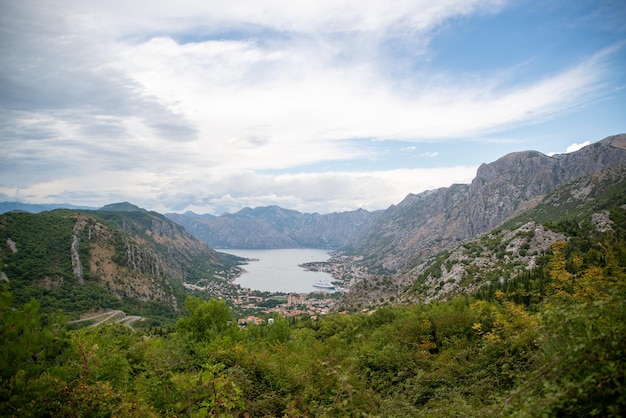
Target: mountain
275 227
398 252
36 208
584 210
121 207
425 224
88 259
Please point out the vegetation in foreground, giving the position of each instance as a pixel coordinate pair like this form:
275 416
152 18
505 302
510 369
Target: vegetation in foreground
563 356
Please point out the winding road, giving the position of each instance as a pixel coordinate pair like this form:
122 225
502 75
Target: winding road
108 316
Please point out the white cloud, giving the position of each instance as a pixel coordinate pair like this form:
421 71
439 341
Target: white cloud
175 105
576 147
309 192
256 105
312 16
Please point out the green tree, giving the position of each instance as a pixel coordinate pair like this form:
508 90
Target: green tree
206 319
27 350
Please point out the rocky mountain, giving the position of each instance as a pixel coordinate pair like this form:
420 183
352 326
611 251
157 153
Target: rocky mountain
425 224
119 251
275 227
587 207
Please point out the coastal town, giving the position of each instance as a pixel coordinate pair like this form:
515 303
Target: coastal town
261 308
256 307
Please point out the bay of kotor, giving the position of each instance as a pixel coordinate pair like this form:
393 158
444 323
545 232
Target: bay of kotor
278 270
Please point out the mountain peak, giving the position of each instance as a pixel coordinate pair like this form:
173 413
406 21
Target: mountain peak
121 207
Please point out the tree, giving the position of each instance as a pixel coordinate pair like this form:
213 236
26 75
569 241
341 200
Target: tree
206 319
27 350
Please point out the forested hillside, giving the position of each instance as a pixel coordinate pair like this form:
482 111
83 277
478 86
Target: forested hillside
559 353
120 257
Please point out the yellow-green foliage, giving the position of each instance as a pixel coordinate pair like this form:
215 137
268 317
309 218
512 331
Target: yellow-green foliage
466 357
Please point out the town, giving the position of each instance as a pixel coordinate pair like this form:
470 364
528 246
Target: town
262 308
255 307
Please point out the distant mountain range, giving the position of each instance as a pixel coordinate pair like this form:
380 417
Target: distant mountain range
421 225
36 208
275 227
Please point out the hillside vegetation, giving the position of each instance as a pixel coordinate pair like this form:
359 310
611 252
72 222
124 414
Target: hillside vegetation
560 353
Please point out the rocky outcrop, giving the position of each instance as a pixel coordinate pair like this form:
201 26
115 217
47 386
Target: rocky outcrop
502 254
126 268
77 265
12 245
148 256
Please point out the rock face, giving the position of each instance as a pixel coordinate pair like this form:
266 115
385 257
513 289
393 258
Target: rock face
77 265
425 224
275 227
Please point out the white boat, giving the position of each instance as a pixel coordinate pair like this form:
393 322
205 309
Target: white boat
324 285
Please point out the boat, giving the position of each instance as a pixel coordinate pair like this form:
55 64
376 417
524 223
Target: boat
324 285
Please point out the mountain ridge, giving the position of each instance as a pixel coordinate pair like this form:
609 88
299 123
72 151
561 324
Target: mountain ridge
593 203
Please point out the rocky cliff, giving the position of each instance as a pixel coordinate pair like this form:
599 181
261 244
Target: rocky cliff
425 224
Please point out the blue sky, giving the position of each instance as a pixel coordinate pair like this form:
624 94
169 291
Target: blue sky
318 106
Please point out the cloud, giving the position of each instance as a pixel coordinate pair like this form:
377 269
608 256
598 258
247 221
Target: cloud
309 16
309 192
305 96
571 148
576 147
190 104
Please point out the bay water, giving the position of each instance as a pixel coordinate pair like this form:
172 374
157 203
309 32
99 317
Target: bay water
279 270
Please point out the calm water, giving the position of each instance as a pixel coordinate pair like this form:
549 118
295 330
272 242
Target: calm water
278 270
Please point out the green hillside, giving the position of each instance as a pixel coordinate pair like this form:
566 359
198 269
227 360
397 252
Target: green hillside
465 357
85 261
492 356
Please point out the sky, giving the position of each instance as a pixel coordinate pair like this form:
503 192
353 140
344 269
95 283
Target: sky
318 106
